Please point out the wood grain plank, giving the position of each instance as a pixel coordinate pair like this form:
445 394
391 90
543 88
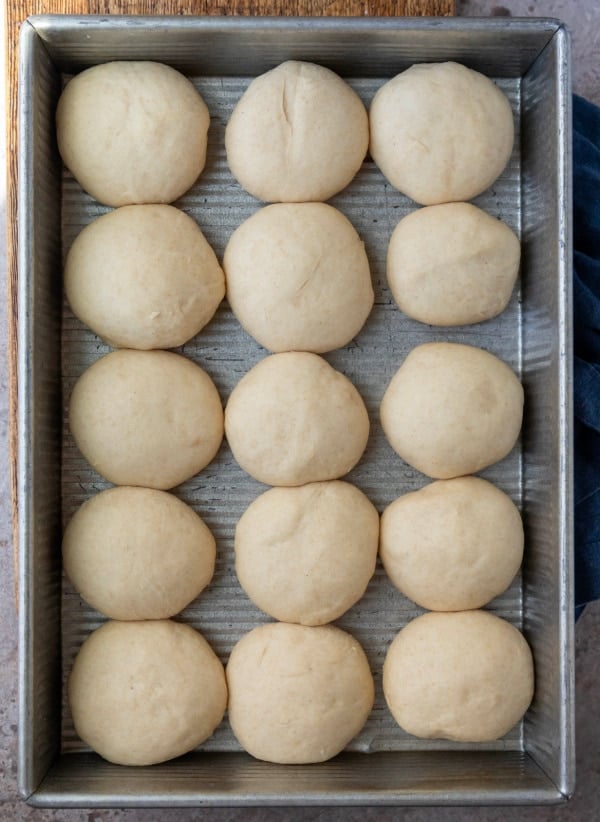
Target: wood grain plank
19 10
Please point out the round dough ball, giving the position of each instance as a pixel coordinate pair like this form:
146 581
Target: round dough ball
452 409
298 277
298 133
144 692
441 132
298 695
307 554
137 553
452 264
293 419
143 276
132 132
150 418
465 676
453 545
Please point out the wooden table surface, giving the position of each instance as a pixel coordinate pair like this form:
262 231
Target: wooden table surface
19 10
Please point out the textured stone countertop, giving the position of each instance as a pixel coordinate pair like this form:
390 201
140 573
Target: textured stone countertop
583 18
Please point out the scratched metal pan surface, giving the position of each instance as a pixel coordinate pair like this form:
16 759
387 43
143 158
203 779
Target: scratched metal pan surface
529 61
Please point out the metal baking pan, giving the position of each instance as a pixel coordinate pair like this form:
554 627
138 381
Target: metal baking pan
530 60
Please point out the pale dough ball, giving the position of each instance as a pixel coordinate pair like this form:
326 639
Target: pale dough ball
307 554
293 419
297 694
465 676
452 409
138 553
441 132
298 133
452 264
150 418
453 545
143 276
298 277
144 692
132 132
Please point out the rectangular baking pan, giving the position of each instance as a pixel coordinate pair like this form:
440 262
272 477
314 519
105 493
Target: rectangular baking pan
530 60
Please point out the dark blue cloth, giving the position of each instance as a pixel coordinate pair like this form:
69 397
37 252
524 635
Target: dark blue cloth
586 330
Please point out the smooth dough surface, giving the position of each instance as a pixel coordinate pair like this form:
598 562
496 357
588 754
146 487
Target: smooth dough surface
293 419
452 409
298 277
441 132
143 276
145 692
298 694
132 132
452 264
453 545
150 418
138 553
465 676
299 133
307 554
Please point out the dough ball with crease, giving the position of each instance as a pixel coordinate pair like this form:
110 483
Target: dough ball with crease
452 409
452 545
145 692
143 276
441 132
137 553
452 264
298 277
465 676
299 133
296 694
307 554
293 419
150 418
132 132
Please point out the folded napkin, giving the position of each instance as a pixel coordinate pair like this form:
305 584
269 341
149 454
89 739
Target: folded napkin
586 310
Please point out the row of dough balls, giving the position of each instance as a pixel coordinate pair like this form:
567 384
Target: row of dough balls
145 692
303 555
155 419
136 132
297 275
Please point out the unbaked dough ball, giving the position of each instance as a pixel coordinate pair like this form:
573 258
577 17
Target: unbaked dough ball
465 676
307 554
138 553
132 132
298 277
452 264
441 132
452 409
293 419
150 418
143 276
298 133
297 694
144 692
453 545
